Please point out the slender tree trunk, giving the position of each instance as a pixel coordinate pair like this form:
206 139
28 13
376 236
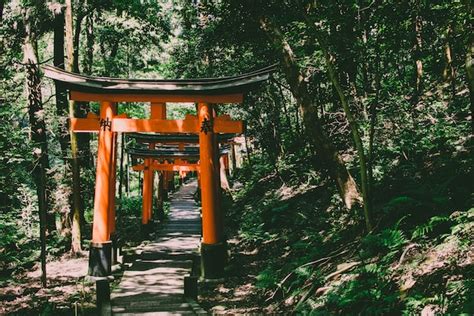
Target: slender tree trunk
329 156
122 150
449 73
373 122
247 149
77 35
2 5
38 128
224 182
354 126
418 25
76 245
160 211
470 60
83 139
470 77
61 95
233 157
87 68
61 104
285 111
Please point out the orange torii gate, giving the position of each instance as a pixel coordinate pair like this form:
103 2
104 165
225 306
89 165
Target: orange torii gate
109 92
182 160
179 165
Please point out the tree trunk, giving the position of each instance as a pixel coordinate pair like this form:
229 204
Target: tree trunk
61 94
77 35
122 150
330 158
373 122
38 128
449 74
418 24
470 62
61 103
76 246
470 77
224 182
247 150
2 5
160 212
87 68
83 139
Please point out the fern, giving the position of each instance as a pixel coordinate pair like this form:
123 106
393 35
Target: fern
424 230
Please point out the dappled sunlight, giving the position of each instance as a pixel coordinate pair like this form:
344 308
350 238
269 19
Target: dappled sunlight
158 274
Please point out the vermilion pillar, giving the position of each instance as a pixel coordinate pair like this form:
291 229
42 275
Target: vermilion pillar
112 178
157 111
213 249
147 192
101 246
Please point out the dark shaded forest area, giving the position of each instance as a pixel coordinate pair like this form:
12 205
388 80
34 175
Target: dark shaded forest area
356 191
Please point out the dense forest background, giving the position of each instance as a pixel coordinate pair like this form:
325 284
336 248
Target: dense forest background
357 195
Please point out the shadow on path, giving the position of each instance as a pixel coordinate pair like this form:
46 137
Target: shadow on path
154 284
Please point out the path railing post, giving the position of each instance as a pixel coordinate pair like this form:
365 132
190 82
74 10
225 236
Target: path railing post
100 258
213 247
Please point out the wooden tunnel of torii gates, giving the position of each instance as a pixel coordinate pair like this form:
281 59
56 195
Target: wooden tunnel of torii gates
206 125
173 155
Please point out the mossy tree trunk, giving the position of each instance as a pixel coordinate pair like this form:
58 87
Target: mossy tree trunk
76 245
330 158
36 115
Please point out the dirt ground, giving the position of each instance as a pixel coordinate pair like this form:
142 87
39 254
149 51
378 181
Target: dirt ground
238 295
67 291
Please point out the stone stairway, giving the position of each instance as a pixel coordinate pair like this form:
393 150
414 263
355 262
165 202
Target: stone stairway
154 284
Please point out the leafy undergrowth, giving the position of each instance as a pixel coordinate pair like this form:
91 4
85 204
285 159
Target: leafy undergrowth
296 249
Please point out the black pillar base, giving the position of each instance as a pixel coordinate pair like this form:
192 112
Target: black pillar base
100 259
160 214
115 248
191 287
213 260
146 230
103 297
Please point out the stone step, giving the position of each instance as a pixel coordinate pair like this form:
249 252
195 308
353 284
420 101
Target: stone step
179 228
156 313
181 256
154 283
172 233
120 299
149 306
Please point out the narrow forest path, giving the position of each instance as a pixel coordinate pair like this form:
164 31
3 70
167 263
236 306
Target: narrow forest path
154 284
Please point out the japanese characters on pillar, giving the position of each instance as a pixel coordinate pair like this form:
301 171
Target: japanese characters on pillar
213 248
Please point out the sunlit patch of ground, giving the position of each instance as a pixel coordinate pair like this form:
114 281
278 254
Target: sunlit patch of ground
66 290
238 294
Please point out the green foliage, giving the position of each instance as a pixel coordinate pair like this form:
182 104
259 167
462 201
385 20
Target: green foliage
369 292
436 225
388 241
131 206
17 251
266 279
